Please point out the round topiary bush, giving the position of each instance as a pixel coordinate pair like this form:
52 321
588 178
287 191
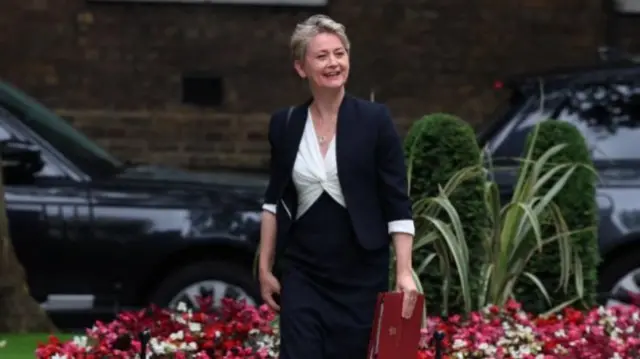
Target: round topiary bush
437 147
577 203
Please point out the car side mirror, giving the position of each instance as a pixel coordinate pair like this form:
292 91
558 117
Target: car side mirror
20 160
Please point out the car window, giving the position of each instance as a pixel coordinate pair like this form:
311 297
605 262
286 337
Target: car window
68 141
4 134
50 170
511 140
608 116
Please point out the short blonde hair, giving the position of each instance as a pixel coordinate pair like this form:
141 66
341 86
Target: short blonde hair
314 25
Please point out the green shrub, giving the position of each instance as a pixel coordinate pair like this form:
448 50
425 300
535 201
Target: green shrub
437 147
577 203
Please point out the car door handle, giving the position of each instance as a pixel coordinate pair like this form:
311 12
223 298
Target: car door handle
620 173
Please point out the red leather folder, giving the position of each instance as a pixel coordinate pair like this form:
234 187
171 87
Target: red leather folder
394 337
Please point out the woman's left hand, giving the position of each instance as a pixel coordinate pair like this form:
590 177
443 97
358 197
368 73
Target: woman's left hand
406 284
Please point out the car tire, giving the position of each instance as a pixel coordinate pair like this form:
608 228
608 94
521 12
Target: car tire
229 273
615 270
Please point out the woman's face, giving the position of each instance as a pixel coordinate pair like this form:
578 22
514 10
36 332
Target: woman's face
326 63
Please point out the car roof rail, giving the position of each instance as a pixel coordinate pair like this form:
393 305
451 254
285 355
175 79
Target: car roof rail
612 54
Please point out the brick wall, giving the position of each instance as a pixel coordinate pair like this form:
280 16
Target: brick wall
186 137
115 69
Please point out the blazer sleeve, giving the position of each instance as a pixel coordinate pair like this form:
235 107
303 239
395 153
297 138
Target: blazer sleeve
392 176
271 193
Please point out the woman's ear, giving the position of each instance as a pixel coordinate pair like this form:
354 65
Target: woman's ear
297 64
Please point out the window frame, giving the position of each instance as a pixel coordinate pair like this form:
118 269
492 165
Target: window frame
626 7
602 161
517 118
50 156
613 172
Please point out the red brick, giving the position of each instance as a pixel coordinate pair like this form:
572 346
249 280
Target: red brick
116 69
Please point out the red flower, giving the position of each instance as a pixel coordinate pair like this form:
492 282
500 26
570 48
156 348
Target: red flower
236 332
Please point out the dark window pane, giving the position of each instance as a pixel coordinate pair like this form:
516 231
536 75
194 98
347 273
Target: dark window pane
513 137
608 118
49 170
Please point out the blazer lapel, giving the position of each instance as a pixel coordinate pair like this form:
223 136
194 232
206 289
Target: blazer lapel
344 130
293 135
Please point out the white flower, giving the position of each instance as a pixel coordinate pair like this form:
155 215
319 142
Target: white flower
179 319
182 307
487 349
195 327
81 341
162 348
59 356
179 335
459 344
559 349
189 346
193 346
3 343
601 310
156 348
561 333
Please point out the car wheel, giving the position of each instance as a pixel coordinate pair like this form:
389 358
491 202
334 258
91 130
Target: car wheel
215 279
621 279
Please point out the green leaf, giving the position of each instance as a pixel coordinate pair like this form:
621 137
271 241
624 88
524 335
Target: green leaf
457 250
538 284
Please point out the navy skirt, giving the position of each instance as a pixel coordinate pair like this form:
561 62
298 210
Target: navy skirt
329 286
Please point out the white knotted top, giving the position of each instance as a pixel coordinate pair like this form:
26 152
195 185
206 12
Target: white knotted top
314 174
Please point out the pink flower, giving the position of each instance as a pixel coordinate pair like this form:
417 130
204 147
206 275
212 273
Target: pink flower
239 331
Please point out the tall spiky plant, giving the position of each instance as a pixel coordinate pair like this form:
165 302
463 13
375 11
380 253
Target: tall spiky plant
577 203
438 148
515 233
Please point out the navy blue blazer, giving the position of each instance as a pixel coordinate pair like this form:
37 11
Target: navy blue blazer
371 169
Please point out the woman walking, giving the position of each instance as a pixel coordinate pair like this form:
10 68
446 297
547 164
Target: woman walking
336 199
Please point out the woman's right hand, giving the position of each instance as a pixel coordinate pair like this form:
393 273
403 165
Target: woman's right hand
269 286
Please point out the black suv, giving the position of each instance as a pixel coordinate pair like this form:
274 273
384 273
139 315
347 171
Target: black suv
96 235
603 102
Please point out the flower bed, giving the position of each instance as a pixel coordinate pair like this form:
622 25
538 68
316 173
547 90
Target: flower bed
240 332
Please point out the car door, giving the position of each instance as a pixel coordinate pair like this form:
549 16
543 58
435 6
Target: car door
608 117
49 221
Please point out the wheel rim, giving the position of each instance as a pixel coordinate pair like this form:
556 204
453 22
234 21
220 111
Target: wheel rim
213 288
628 286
